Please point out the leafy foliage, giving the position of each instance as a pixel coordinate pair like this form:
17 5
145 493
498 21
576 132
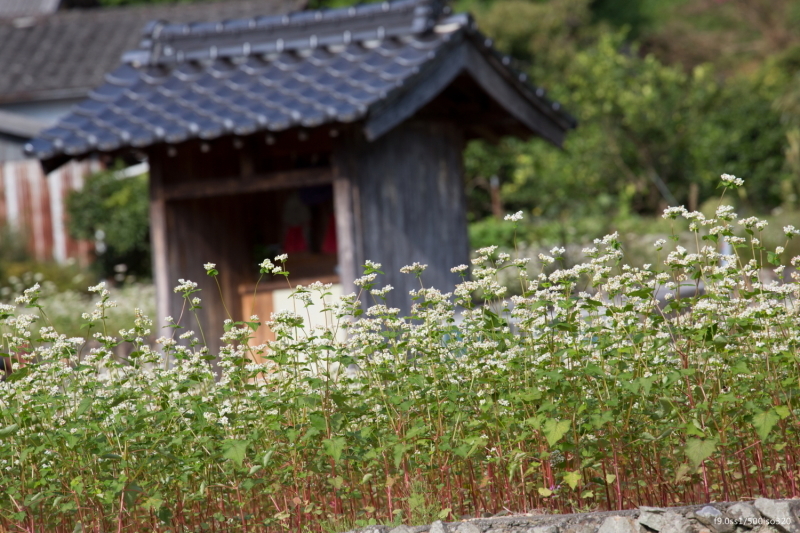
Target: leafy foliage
18 269
118 209
650 123
600 385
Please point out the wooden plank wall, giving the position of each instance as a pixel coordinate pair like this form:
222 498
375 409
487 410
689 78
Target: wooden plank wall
400 199
33 203
186 234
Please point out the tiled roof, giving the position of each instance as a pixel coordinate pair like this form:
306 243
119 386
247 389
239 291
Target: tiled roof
305 69
26 8
67 53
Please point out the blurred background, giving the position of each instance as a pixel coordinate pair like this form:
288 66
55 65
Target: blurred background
669 94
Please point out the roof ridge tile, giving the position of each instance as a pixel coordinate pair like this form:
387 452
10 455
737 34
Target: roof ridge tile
166 42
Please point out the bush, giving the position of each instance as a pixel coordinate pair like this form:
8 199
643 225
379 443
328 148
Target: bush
600 386
117 211
19 270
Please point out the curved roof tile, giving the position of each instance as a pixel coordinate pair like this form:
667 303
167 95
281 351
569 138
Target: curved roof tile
179 85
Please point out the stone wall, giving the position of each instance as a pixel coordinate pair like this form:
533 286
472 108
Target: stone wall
760 516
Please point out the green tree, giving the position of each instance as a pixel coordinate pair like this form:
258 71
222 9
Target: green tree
119 208
647 131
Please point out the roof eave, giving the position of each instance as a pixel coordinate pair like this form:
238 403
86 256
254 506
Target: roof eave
20 125
467 51
44 96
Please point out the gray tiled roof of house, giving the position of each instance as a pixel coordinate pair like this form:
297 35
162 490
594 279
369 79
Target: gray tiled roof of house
10 9
67 53
190 81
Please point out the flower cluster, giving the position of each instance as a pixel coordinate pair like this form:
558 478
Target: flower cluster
731 181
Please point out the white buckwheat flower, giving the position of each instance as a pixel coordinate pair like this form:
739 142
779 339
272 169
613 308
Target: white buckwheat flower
546 259
731 181
381 292
673 212
726 212
516 217
266 265
414 268
364 280
185 285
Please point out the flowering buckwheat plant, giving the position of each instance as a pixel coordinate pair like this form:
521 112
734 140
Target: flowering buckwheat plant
598 386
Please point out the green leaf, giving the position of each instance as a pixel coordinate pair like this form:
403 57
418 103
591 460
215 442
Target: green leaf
399 451
783 411
773 258
131 493
682 473
764 422
77 485
334 447
573 478
546 493
153 503
555 430
84 406
235 450
267 456
698 450
9 430
444 513
693 428
164 514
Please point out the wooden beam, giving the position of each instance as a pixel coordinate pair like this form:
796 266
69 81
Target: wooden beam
258 183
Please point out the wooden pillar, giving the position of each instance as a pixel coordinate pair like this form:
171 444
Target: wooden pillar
348 229
400 199
158 240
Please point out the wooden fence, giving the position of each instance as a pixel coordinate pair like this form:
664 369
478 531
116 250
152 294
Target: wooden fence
33 204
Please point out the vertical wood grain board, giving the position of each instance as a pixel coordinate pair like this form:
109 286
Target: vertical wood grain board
407 204
32 204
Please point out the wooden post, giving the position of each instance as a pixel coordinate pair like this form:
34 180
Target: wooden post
347 213
158 239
